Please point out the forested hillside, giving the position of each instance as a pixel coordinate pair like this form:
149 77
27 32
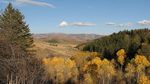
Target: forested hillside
134 42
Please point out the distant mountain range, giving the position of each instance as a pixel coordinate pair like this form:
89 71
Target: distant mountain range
67 37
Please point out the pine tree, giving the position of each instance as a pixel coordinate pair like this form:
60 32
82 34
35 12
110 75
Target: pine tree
14 28
17 64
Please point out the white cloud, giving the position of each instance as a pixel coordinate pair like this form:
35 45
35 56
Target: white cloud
120 25
82 24
110 23
65 24
30 2
125 25
144 22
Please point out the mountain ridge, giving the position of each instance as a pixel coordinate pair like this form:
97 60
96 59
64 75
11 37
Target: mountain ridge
67 37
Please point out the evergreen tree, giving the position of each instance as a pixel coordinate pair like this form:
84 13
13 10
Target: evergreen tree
17 64
14 28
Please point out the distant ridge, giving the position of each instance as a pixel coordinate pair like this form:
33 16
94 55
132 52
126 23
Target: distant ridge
67 37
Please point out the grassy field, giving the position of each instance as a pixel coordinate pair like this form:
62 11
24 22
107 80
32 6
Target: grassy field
45 49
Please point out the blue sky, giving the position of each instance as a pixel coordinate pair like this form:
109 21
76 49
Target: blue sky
83 16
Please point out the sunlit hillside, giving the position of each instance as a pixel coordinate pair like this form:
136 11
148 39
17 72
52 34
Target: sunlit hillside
46 49
62 45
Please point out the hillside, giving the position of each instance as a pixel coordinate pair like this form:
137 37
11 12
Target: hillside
134 42
59 44
65 38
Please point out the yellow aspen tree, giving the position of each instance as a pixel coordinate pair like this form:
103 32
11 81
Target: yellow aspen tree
82 58
88 79
144 79
130 72
60 70
136 68
121 57
102 69
141 63
141 60
106 71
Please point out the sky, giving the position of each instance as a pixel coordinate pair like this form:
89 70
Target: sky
102 17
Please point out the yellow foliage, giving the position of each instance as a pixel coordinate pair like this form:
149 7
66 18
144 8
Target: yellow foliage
61 68
87 54
130 69
121 60
82 58
94 68
144 80
45 61
80 54
137 66
121 52
141 60
101 68
94 54
107 68
96 61
121 55
88 79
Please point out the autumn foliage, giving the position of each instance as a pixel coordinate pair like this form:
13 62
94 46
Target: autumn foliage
60 70
121 56
89 68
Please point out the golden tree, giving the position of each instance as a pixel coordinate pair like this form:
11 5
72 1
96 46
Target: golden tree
82 58
130 72
144 80
121 57
102 70
60 70
88 79
141 60
136 68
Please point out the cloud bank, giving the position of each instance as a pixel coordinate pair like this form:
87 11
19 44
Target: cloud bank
79 24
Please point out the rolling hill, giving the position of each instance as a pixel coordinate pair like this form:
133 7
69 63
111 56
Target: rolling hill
65 38
59 44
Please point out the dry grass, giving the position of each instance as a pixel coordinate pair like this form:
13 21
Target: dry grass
44 49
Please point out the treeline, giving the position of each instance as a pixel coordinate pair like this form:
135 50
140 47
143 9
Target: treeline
134 42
